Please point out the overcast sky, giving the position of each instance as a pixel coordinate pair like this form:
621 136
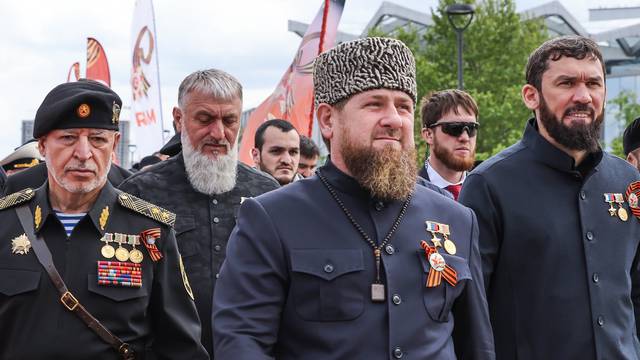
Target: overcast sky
40 39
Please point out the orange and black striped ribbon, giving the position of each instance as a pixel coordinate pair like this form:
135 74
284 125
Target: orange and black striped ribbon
149 238
435 277
634 187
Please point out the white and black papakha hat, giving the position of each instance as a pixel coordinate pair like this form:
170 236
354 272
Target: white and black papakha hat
364 64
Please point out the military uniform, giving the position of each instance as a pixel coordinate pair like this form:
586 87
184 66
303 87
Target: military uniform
561 270
296 281
157 318
203 222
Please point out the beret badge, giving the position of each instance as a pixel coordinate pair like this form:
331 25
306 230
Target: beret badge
115 118
83 111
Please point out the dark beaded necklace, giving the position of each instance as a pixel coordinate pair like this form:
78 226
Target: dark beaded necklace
377 288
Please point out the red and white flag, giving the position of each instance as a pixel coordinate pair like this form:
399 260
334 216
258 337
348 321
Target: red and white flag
292 100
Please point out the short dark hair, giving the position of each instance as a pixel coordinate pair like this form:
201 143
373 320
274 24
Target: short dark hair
308 148
437 103
283 125
573 46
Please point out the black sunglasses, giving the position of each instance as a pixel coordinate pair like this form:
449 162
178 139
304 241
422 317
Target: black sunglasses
456 128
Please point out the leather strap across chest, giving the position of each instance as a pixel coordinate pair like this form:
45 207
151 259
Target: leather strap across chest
66 297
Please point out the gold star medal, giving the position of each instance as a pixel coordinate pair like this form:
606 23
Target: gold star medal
21 245
433 228
609 199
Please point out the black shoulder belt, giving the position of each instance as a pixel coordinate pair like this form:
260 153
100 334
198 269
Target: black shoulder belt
66 297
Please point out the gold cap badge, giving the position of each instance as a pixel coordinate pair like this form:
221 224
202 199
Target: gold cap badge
84 111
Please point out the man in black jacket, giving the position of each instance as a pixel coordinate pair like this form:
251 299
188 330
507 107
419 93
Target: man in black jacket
204 184
558 235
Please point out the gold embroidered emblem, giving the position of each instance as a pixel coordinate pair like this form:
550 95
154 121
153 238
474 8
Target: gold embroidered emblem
37 217
20 245
116 113
103 217
185 280
84 111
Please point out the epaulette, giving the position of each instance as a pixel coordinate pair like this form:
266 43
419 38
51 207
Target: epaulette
147 209
16 198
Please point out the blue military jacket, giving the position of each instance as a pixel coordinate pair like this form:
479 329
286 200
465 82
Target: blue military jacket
296 281
561 272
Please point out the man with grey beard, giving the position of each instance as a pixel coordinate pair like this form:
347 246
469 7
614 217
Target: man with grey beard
559 233
204 184
358 262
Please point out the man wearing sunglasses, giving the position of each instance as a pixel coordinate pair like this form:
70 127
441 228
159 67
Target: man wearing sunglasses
558 235
450 127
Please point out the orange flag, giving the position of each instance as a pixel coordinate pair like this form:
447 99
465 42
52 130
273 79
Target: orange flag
97 64
292 100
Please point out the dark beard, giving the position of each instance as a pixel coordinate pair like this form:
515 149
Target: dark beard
451 161
388 174
576 137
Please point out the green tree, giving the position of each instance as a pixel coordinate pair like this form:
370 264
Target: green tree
626 109
497 45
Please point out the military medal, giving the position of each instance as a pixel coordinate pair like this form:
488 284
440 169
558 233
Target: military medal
122 254
20 245
608 198
433 228
439 269
135 255
449 246
622 212
107 250
633 191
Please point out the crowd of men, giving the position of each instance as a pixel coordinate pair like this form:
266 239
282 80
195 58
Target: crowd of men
532 254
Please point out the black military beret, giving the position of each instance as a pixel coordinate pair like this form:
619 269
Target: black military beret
80 104
631 137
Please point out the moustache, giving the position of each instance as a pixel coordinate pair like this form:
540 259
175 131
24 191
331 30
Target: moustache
81 167
582 108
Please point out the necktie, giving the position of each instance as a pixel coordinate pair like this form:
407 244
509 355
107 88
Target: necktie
454 190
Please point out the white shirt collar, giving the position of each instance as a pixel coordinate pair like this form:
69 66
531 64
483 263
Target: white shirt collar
438 180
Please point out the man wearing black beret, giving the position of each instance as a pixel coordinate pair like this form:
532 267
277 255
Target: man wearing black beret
57 109
631 143
93 271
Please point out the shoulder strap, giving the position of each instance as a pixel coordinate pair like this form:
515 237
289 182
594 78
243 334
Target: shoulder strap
16 198
67 299
147 209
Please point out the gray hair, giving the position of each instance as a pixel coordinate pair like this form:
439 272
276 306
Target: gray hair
213 82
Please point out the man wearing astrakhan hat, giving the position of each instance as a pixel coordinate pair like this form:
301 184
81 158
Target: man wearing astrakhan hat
87 271
357 262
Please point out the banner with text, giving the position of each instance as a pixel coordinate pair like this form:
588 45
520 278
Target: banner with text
146 107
